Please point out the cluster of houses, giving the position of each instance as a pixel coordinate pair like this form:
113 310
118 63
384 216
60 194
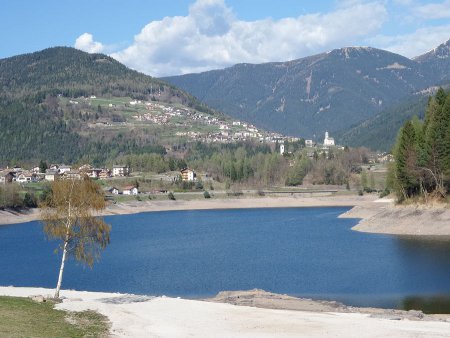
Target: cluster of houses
56 171
227 131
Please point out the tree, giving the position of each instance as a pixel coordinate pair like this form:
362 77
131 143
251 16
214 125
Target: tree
406 162
43 166
67 215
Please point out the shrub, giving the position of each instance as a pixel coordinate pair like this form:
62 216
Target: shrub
30 201
171 196
385 192
206 194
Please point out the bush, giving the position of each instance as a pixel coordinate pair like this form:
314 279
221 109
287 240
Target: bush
385 193
369 190
360 193
171 196
206 194
30 201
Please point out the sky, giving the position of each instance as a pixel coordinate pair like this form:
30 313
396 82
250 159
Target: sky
172 37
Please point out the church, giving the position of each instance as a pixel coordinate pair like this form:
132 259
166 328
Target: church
328 141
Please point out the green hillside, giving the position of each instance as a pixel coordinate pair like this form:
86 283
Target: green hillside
380 132
48 110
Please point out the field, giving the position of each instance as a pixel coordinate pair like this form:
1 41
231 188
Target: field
23 317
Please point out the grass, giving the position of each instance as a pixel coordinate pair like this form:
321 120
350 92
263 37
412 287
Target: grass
22 317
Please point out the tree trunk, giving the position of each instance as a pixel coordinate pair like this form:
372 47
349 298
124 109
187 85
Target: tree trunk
61 269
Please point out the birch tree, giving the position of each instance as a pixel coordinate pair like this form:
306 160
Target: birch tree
68 216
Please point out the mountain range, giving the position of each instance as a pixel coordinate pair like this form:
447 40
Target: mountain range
334 91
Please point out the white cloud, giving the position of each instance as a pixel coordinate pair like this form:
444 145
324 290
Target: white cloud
437 10
86 43
211 37
416 43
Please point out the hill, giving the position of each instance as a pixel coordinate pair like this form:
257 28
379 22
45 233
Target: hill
330 91
73 73
51 101
380 131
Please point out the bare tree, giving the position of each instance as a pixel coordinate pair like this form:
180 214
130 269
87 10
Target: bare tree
67 215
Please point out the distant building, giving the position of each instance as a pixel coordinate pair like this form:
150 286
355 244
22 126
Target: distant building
309 143
120 170
64 168
188 175
130 190
6 176
282 149
72 175
51 174
113 190
104 174
94 172
328 141
24 178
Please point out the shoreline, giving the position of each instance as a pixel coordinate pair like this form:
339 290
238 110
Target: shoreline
133 207
375 215
241 313
384 217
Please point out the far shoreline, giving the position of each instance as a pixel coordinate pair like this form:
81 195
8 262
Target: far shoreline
8 217
375 215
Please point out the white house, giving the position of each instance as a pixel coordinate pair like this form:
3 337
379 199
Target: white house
120 170
309 143
64 168
328 141
24 178
130 190
282 149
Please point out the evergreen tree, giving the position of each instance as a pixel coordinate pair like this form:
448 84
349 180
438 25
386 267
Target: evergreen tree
406 162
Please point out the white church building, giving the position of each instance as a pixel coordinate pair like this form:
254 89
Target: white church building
328 141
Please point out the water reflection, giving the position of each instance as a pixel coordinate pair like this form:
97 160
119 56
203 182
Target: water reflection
418 250
436 304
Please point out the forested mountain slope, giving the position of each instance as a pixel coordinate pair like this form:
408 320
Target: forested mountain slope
331 91
38 122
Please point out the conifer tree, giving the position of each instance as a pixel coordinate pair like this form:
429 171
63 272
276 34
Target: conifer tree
406 162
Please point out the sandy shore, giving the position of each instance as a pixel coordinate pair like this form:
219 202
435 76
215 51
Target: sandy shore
144 316
383 216
9 217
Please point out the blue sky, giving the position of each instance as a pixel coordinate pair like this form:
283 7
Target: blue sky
182 36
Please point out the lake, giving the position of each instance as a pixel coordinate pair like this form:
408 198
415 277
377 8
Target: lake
306 252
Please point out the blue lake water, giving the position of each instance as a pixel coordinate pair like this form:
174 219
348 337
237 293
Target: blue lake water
298 251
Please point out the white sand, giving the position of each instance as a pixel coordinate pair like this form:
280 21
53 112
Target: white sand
142 316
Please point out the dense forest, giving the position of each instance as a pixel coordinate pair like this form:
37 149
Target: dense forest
379 132
422 153
73 73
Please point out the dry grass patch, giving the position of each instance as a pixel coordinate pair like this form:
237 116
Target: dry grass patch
22 317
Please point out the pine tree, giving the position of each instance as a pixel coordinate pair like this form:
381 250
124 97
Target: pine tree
406 163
